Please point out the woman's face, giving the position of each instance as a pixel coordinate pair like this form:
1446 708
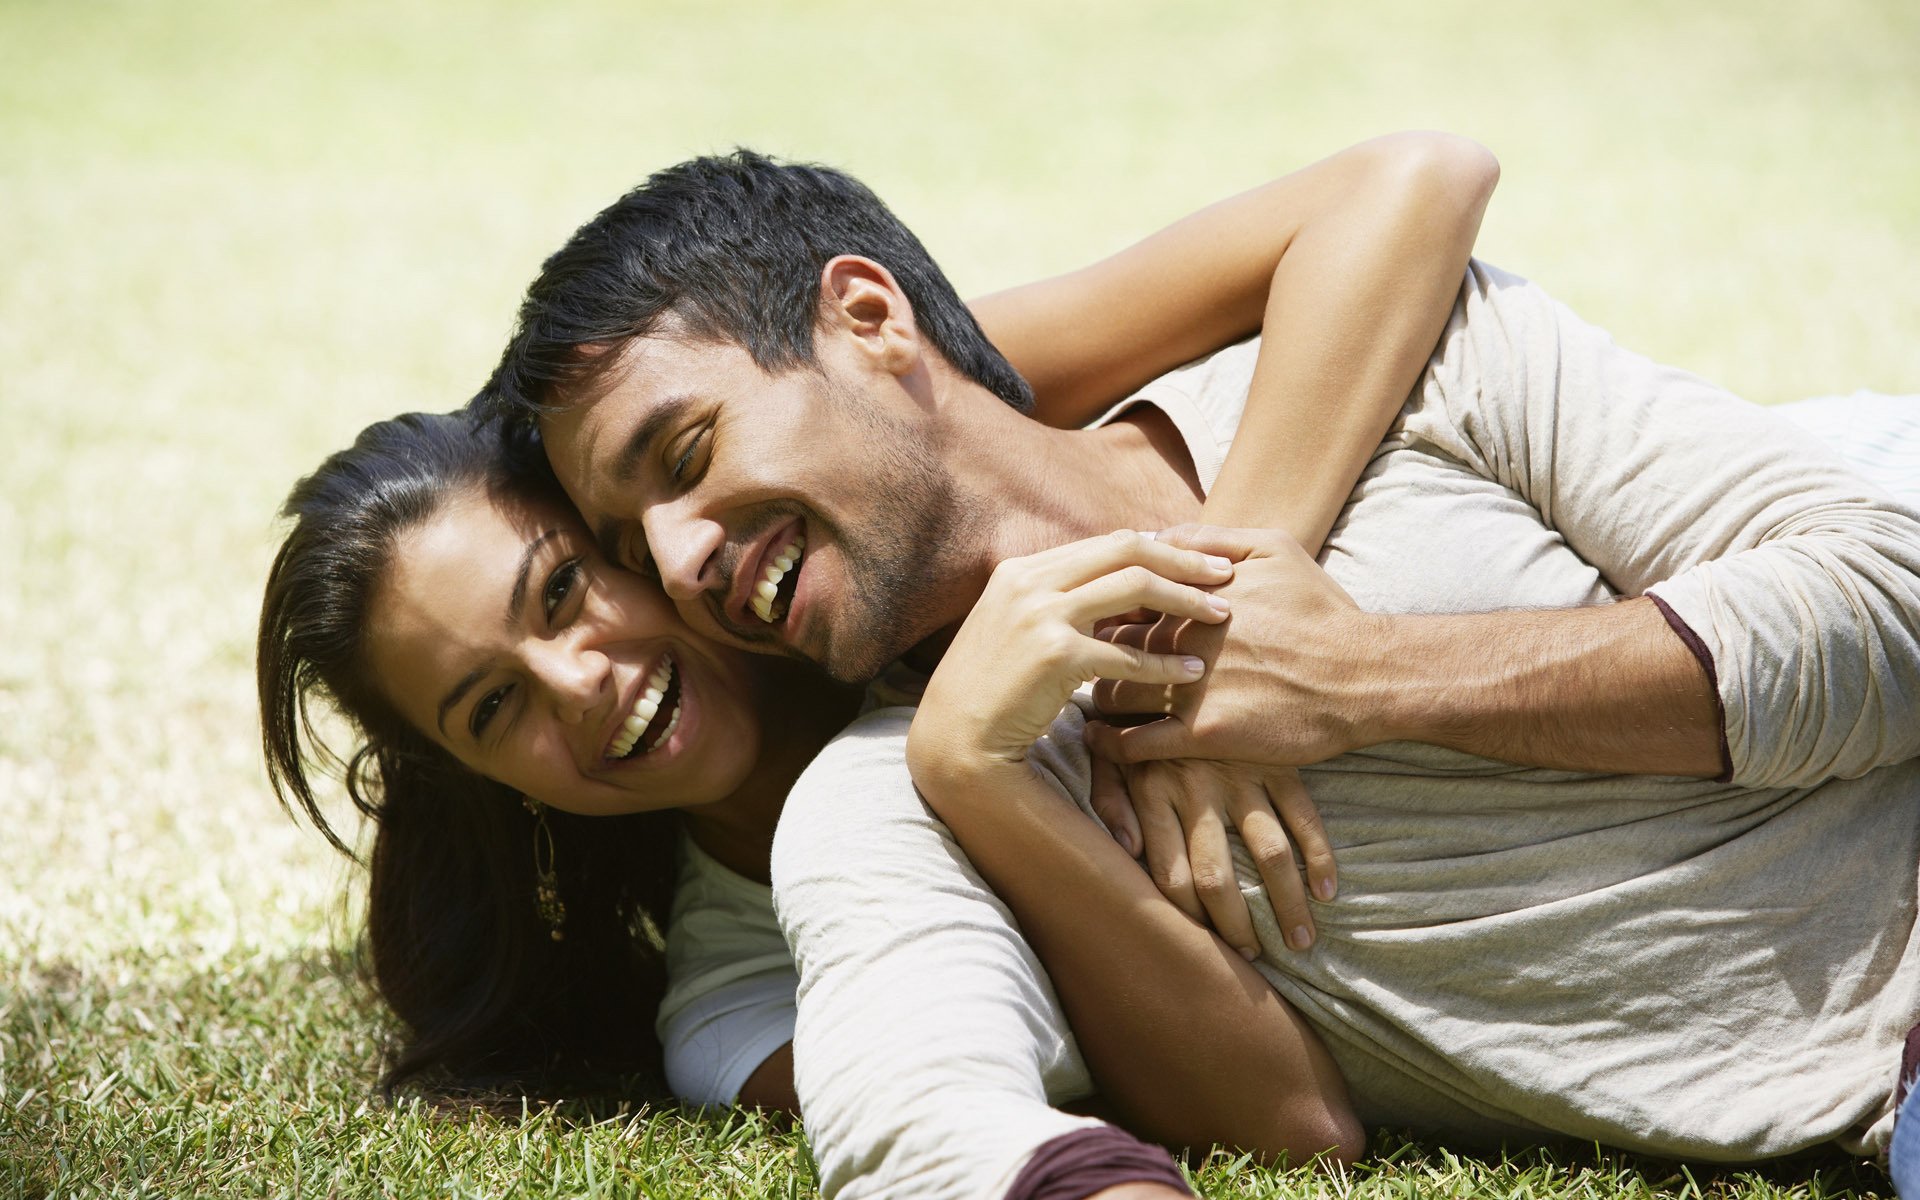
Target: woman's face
502 634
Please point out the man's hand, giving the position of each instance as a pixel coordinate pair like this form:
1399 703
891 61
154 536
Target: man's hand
1181 810
1284 685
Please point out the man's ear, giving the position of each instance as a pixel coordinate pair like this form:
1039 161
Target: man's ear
860 299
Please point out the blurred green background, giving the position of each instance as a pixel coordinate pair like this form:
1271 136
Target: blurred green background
233 233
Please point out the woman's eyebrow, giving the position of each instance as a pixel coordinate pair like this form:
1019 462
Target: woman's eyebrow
518 599
453 696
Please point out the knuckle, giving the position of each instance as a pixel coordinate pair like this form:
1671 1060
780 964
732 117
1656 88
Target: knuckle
1124 539
1136 577
1212 882
1170 878
1272 856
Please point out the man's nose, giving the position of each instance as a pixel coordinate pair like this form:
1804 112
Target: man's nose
576 678
685 550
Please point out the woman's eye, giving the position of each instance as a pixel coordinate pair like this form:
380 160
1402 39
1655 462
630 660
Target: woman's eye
684 463
483 712
560 586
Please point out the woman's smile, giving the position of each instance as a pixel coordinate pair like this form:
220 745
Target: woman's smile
592 695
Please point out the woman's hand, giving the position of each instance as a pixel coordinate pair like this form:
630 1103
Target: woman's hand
1029 643
1179 811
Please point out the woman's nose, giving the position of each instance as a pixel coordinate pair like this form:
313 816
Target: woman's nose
575 678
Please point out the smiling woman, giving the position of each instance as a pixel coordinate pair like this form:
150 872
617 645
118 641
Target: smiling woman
442 595
499 631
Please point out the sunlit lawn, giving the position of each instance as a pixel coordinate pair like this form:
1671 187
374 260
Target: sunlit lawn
230 234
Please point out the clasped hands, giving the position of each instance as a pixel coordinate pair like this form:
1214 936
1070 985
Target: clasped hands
1247 662
1277 693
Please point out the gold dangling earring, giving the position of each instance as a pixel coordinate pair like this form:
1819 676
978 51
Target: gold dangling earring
546 884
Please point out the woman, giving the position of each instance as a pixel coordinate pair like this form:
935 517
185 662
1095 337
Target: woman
458 951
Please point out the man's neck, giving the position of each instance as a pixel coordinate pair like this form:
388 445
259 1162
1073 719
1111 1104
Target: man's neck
1032 487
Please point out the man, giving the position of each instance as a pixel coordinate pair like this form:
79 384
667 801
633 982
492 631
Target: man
1770 636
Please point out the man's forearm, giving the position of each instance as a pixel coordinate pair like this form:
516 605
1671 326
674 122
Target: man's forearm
1610 688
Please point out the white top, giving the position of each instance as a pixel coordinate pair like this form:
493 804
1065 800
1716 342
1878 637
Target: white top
730 981
1721 971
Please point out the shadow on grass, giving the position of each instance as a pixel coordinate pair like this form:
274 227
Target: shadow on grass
255 1077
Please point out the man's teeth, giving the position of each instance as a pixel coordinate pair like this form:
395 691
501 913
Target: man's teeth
768 589
644 710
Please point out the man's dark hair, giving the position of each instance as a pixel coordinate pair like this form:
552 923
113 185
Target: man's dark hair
731 248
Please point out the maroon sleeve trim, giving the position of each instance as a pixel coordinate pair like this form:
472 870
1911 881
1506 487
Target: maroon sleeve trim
1909 1067
1075 1165
1700 651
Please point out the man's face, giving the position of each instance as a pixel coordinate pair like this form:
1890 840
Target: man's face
803 513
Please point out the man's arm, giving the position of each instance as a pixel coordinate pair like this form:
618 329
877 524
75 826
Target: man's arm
929 1042
1788 589
1351 265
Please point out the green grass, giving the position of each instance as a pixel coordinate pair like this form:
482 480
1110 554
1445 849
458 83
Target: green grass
231 234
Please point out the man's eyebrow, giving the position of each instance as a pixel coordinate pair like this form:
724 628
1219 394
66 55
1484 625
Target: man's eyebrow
626 464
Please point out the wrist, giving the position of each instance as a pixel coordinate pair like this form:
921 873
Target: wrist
1391 700
947 770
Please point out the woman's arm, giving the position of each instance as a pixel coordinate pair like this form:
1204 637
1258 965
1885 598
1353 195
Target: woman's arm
771 1084
1181 1033
1349 266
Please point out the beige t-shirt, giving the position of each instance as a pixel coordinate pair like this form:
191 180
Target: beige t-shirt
1721 971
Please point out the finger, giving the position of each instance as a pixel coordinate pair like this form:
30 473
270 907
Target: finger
1272 855
1129 630
1066 567
1235 544
1165 843
1301 817
1114 806
1135 587
1165 738
1214 881
1092 657
1117 697
1108 627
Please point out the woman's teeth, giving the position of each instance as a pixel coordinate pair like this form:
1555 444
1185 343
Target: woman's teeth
645 709
766 599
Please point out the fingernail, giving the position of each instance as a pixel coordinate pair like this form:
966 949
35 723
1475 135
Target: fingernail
1218 603
1219 563
1150 535
1193 665
1302 937
1325 888
1249 953
1126 842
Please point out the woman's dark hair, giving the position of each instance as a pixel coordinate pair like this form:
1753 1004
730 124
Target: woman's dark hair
731 247
491 1004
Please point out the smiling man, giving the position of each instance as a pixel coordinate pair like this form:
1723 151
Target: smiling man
757 387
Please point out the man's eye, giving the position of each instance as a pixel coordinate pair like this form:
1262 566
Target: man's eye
562 584
484 711
684 464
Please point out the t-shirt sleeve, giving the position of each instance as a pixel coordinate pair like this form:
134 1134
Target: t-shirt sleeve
1798 578
718 1038
730 982
929 1042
